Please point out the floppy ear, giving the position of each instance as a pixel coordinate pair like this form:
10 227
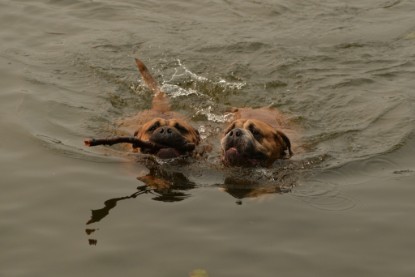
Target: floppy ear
136 132
284 140
230 127
197 135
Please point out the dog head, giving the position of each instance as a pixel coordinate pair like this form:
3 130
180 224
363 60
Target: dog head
174 136
251 142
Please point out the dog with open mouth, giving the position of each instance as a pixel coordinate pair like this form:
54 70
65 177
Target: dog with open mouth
253 138
160 125
157 131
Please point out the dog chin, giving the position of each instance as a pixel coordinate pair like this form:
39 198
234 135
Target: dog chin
168 153
233 157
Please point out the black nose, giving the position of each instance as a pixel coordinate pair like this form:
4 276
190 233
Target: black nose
165 130
235 133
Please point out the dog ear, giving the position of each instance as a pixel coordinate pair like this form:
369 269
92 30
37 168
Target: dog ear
230 127
136 132
285 141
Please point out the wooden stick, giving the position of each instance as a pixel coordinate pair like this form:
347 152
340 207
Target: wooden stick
137 143
115 140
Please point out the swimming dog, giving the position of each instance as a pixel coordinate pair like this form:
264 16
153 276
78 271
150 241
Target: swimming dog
254 138
168 133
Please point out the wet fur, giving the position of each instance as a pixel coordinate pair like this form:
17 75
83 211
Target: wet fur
254 138
159 124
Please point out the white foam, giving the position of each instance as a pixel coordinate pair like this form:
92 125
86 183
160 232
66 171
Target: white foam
222 82
214 117
193 75
231 85
175 91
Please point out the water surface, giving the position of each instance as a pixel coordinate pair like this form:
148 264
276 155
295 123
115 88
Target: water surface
342 72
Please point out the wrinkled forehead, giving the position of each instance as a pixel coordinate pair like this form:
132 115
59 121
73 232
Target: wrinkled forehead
155 121
251 123
175 122
160 122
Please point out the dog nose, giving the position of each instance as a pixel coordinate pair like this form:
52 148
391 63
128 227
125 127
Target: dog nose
235 133
165 130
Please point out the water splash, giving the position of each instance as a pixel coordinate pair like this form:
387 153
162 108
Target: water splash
219 118
175 91
193 75
222 82
232 85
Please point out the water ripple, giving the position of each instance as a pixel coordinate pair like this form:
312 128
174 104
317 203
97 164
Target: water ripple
323 196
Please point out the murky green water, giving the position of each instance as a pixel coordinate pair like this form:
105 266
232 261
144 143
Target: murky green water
342 71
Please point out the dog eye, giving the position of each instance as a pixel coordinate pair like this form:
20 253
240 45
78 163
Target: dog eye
257 134
180 128
153 127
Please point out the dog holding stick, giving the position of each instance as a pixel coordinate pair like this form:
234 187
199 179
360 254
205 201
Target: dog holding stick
157 131
253 138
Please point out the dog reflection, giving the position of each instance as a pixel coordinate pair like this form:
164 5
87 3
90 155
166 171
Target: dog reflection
241 188
167 186
164 186
172 186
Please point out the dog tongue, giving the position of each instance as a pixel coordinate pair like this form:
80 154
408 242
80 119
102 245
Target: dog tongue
232 155
167 153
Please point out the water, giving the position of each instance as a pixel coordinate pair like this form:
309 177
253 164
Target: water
342 72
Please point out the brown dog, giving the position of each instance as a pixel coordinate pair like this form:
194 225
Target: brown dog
159 125
254 138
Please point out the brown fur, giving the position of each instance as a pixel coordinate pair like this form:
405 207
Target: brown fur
254 137
161 118
191 135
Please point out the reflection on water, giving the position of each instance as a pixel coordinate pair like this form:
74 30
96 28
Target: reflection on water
161 184
172 181
343 71
99 214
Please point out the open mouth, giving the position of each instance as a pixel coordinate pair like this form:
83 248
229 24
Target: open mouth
233 157
168 153
148 147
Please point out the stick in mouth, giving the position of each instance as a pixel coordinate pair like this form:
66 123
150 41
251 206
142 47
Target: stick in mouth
137 143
